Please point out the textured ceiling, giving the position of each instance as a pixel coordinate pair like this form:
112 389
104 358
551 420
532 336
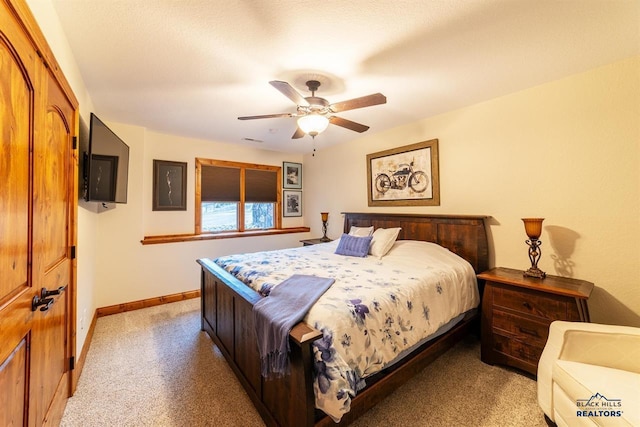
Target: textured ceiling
191 67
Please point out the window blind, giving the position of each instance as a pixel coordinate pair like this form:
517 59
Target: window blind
219 184
260 186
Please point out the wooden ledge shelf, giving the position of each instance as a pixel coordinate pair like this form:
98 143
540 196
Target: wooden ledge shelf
174 238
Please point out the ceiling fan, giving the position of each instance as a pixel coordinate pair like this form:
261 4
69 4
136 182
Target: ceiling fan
314 113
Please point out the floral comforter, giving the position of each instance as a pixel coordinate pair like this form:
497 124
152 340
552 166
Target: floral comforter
376 309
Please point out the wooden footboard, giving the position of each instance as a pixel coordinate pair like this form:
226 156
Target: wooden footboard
227 317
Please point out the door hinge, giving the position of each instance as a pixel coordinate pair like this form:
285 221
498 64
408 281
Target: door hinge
42 58
75 142
72 363
73 252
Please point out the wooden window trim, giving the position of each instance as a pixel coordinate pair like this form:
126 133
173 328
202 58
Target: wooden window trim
175 238
200 162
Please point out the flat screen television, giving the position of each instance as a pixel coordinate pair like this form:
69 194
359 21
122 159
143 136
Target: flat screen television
106 165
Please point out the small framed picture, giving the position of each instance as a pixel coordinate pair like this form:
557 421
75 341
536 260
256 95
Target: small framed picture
292 203
292 175
169 186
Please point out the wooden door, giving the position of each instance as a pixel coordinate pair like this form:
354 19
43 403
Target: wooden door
37 234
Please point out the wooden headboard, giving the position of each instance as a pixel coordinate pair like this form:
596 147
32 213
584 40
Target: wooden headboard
464 235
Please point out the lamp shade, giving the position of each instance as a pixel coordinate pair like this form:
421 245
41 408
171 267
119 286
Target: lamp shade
533 227
313 124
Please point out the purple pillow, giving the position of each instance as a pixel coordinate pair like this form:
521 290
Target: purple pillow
354 246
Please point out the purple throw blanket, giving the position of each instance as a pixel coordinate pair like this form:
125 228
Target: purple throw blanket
275 315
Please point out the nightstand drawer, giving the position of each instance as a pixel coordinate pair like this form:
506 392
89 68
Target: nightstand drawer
538 305
517 311
517 349
520 328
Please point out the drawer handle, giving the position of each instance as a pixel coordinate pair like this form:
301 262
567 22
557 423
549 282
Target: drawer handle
527 331
526 305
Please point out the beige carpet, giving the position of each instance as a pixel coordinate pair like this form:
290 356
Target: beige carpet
154 367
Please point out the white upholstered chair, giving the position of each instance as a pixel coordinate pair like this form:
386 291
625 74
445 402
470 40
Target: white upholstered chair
590 369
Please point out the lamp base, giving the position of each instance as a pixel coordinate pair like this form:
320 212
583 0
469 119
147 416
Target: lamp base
535 272
324 237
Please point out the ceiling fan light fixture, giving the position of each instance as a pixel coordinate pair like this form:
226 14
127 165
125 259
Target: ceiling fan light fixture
315 113
313 124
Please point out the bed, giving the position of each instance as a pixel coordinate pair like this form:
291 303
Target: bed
290 401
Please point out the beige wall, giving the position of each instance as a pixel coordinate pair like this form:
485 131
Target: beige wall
567 151
128 271
163 147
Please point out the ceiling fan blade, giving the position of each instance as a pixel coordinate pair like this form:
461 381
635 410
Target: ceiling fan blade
299 133
287 90
266 116
339 121
364 101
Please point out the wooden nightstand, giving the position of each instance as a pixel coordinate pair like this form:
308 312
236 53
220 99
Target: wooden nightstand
517 312
309 242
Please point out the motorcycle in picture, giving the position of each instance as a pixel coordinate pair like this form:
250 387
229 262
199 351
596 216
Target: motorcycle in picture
401 178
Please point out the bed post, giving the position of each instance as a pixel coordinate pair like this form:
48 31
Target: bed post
291 398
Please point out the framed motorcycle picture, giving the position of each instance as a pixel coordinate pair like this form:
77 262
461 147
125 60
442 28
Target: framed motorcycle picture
404 176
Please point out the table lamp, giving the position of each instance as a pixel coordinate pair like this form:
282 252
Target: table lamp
325 218
533 228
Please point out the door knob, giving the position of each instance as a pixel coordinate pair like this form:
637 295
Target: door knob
43 303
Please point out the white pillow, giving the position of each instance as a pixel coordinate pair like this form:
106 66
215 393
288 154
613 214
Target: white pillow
383 240
361 231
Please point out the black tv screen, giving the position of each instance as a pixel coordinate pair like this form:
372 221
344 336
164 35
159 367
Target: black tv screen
106 165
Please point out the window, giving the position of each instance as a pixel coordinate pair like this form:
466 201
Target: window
234 196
